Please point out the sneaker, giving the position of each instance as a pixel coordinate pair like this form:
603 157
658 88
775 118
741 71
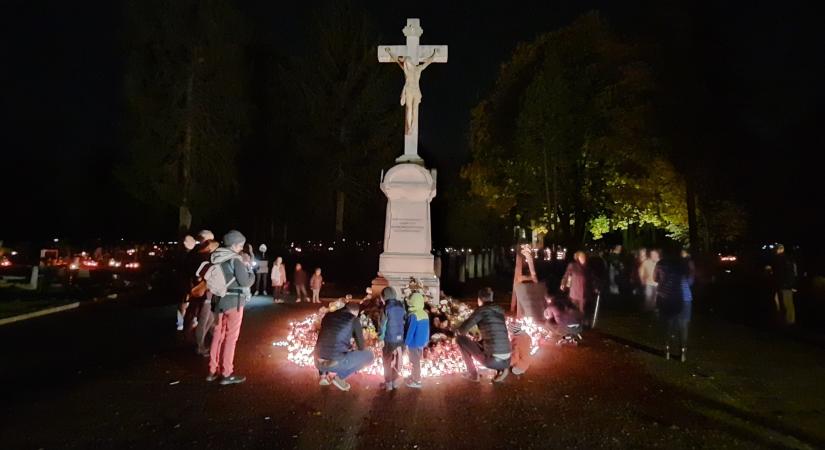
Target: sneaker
389 386
472 377
255 294
212 377
341 383
326 364
414 384
517 371
278 300
232 379
203 352
501 375
324 381
180 327
298 301
266 293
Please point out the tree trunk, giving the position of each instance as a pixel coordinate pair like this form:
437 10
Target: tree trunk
693 226
185 216
340 198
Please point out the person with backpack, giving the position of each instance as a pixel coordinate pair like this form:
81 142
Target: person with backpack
392 333
229 278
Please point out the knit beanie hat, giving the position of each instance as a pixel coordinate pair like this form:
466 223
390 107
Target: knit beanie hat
233 237
389 293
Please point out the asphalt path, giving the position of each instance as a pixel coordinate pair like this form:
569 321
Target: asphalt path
119 375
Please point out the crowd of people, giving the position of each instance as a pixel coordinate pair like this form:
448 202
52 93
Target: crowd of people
218 282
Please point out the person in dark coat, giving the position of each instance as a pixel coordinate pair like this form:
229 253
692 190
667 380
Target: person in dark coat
493 350
332 350
674 308
784 269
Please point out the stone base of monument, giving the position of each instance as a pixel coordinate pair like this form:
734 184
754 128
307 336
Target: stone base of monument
401 281
397 268
407 238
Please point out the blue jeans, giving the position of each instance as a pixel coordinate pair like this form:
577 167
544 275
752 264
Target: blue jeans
351 362
470 348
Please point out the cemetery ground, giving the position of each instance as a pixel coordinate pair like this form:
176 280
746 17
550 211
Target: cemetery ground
118 375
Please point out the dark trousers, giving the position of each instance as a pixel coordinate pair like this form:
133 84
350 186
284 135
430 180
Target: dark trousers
470 348
415 361
301 292
260 281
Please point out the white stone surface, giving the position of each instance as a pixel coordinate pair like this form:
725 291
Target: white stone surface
407 233
408 57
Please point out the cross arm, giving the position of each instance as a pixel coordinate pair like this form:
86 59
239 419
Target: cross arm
425 51
397 50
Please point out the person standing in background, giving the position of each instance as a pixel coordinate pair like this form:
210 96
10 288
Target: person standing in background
278 279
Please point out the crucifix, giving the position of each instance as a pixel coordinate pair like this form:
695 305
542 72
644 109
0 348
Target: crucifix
413 59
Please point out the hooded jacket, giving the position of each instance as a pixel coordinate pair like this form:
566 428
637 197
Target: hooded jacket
233 267
418 323
392 329
493 328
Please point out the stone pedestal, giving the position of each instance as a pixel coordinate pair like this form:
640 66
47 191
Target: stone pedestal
407 233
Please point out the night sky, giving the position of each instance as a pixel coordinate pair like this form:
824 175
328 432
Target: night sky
62 107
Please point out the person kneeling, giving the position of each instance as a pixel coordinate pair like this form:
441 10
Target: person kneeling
493 350
332 350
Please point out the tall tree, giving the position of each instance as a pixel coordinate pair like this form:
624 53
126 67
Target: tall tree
186 89
346 122
565 141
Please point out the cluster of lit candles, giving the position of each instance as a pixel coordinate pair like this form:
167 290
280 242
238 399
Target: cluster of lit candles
443 358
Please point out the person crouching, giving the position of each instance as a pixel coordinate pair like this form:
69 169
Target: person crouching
493 350
332 350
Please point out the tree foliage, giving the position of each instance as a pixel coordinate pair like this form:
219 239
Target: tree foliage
344 118
565 141
186 91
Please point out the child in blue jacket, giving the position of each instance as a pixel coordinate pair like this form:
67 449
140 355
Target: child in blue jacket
417 336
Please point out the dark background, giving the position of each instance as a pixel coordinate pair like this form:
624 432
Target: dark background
62 109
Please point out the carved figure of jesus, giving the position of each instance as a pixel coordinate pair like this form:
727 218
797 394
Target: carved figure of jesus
411 94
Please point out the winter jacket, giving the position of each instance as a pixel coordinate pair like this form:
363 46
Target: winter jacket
669 276
278 276
575 279
197 256
418 323
337 330
316 282
237 291
493 328
392 328
785 271
300 278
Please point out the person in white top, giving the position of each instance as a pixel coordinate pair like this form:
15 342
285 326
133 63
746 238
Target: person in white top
278 278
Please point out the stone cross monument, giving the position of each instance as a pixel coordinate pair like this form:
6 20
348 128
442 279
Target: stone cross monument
413 59
409 187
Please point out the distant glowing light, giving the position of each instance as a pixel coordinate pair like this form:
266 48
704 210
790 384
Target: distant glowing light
56 240
330 248
133 265
13 253
729 258
151 253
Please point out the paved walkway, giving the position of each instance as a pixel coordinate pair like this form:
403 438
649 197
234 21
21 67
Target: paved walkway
119 376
